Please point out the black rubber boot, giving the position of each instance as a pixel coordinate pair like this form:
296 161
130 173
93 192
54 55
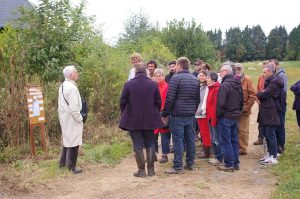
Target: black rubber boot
150 163
140 161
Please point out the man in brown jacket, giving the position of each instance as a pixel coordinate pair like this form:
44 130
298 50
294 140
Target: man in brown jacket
249 99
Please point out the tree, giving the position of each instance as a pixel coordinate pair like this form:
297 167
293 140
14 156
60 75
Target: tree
277 43
259 41
135 26
216 38
55 34
189 40
293 49
234 48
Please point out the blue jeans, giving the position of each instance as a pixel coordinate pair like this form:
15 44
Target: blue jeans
215 139
165 142
280 130
182 132
228 129
270 135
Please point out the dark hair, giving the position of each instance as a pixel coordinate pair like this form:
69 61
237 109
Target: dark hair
275 61
172 62
183 62
206 66
198 62
203 72
213 76
152 62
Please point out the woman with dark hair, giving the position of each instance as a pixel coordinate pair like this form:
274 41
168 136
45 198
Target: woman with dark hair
295 88
201 116
140 105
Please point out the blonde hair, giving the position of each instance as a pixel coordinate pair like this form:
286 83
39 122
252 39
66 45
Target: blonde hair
136 55
159 71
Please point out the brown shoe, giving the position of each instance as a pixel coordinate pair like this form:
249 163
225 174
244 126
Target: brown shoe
243 152
226 169
259 141
173 171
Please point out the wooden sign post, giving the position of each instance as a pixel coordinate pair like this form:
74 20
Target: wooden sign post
36 113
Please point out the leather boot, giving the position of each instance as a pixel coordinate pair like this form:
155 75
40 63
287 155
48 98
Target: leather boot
205 153
150 163
140 161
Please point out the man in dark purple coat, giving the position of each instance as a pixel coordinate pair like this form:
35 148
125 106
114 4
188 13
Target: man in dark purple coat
140 114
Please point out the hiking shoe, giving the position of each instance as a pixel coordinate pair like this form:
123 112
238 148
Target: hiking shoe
265 157
226 169
270 161
215 162
236 167
259 141
173 171
164 159
76 170
189 168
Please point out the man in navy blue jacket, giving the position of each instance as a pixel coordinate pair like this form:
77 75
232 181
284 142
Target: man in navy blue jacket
181 103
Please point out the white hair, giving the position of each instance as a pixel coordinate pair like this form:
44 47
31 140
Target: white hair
68 70
227 68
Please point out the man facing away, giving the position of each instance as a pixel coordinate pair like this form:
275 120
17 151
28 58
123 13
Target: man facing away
249 97
181 103
229 106
71 121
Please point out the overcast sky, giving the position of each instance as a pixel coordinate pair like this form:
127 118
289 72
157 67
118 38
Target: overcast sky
211 14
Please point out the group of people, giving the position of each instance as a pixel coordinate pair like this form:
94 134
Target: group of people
219 103
153 103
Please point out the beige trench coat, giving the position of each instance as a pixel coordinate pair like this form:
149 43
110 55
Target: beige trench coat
69 115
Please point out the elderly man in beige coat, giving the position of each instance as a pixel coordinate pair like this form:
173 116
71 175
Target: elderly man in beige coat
69 107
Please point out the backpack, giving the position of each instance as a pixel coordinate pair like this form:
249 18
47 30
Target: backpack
84 109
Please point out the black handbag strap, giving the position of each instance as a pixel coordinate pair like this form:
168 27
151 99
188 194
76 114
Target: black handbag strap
62 90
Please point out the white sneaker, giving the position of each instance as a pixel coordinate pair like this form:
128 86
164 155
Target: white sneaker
265 157
215 162
270 161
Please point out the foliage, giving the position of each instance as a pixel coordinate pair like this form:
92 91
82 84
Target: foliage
136 26
277 43
55 34
188 39
293 49
234 48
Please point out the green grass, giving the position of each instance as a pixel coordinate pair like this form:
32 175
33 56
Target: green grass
288 169
107 153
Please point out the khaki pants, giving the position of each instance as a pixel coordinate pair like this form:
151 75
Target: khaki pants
244 132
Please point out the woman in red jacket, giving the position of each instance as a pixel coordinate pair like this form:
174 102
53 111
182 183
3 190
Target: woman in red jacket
159 77
211 106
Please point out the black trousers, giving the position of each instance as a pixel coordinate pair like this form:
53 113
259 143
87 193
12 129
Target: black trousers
69 157
142 139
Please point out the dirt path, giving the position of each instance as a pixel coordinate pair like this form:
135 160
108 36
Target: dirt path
251 181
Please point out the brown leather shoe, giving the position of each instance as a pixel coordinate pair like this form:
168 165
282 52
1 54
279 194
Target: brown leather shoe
226 169
259 141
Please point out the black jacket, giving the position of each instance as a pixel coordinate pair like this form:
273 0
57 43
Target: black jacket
168 77
269 106
183 95
230 98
